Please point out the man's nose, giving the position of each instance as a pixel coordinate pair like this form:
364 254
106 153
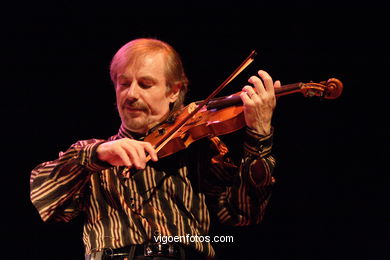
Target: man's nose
133 91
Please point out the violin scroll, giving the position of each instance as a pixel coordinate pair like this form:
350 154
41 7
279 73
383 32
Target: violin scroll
334 88
330 89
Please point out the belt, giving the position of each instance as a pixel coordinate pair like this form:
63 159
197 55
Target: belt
149 249
152 249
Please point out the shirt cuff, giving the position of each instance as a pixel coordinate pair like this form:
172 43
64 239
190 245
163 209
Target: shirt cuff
257 144
88 158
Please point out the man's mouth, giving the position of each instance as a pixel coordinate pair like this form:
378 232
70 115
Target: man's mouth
134 108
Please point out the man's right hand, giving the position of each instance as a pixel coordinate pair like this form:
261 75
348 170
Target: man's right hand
126 152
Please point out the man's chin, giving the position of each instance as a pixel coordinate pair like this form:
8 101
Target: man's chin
135 125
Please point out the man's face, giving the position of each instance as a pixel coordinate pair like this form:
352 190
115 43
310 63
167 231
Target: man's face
141 94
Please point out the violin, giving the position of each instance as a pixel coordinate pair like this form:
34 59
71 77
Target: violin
223 115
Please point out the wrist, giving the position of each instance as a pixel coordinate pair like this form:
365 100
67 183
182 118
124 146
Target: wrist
95 159
261 130
258 144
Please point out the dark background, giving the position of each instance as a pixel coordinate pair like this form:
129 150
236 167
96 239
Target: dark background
330 199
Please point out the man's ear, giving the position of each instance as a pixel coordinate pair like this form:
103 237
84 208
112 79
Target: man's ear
174 92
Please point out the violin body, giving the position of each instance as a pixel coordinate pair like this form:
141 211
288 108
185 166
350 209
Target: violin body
205 123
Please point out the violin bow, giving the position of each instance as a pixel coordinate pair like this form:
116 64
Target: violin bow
232 76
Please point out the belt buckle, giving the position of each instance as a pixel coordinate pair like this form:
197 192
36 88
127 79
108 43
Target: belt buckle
159 249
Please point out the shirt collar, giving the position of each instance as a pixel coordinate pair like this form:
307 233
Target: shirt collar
124 133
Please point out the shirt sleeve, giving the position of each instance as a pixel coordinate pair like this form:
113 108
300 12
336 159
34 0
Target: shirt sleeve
238 193
57 187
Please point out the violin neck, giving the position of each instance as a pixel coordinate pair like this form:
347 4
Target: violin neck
235 100
222 102
289 89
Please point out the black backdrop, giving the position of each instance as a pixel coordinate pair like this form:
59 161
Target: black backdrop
329 201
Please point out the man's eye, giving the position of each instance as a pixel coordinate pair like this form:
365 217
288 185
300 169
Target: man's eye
145 85
124 85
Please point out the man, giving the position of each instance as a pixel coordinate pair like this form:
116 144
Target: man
128 200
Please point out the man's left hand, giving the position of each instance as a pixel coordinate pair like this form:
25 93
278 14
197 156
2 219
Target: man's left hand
259 102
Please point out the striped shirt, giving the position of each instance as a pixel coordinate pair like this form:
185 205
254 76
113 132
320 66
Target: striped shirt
174 196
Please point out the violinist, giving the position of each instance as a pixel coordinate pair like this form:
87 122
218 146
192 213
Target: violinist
130 196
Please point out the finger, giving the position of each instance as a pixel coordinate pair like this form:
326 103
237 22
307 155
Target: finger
268 82
151 151
277 84
141 155
258 84
250 92
124 158
245 98
133 155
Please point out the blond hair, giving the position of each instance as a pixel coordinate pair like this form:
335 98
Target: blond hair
139 48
